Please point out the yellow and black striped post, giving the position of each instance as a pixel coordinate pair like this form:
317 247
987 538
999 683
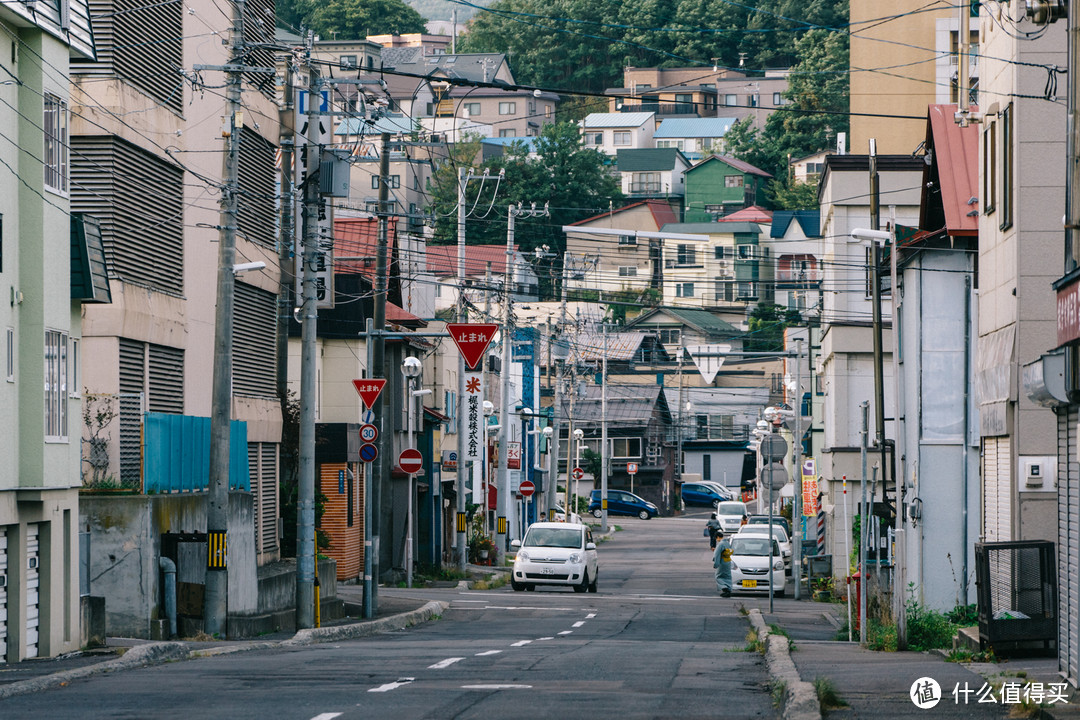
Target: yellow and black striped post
461 522
502 526
216 549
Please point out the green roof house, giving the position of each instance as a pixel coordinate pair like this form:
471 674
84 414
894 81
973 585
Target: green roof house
720 185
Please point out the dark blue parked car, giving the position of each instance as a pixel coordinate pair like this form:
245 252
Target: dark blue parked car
700 494
620 502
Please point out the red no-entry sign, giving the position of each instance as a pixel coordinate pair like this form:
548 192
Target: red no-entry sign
411 461
526 488
577 473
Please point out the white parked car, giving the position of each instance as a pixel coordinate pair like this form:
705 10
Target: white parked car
730 513
753 568
560 515
555 553
779 534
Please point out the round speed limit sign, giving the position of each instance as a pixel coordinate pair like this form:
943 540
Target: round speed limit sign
368 433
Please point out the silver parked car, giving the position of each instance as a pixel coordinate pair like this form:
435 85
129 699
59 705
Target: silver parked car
555 553
752 567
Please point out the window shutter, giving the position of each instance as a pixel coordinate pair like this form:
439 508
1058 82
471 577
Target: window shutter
254 346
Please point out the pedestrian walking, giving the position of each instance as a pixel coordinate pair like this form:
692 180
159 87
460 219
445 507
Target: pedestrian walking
711 528
722 563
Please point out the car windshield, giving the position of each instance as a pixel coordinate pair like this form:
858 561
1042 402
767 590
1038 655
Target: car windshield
738 509
778 531
553 537
755 546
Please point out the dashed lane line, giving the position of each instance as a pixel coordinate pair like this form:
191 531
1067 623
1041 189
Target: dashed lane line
496 687
445 663
590 616
488 652
392 686
520 643
578 624
567 632
326 716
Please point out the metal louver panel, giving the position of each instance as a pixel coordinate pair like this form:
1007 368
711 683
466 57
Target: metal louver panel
997 495
259 23
1068 546
132 387
268 497
166 380
138 199
141 44
254 346
3 594
33 588
257 205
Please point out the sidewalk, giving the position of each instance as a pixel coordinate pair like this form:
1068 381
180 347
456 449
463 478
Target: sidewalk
878 684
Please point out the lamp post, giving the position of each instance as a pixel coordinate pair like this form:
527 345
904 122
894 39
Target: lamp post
526 462
411 368
578 435
553 460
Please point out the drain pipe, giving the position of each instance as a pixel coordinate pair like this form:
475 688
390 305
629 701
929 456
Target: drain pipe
169 568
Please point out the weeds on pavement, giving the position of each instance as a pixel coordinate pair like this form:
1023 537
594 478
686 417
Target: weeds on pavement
777 690
828 697
967 656
754 643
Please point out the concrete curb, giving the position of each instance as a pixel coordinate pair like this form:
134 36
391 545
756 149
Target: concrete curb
138 656
347 632
800 698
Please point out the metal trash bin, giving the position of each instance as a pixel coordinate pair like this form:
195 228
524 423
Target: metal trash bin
1017 594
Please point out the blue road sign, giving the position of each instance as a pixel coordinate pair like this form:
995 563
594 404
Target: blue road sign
368 452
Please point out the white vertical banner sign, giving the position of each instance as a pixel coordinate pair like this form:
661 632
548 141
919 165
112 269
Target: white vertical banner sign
474 416
709 359
324 270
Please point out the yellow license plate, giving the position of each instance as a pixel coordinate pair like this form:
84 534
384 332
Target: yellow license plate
749 583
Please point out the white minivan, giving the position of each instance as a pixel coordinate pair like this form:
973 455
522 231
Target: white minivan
555 553
730 513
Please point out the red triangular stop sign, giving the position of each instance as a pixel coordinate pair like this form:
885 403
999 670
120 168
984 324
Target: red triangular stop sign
472 339
369 390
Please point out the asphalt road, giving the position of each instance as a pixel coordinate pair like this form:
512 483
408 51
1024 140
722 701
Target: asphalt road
656 641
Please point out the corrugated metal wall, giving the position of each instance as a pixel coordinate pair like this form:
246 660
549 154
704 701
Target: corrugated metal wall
1068 545
997 489
343 516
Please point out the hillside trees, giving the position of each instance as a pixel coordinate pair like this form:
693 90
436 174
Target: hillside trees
350 19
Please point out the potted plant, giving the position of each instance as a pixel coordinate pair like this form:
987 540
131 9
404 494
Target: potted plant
481 549
823 588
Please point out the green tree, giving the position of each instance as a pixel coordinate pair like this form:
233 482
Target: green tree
792 195
766 327
353 19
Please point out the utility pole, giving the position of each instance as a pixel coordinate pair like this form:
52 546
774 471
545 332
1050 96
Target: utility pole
863 523
797 514
381 466
305 515
875 299
605 460
217 509
462 537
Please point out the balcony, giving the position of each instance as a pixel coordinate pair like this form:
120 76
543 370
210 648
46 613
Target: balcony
645 188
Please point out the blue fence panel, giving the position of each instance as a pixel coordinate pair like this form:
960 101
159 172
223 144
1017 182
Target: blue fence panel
176 454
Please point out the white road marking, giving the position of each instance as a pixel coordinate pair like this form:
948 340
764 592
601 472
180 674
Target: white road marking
521 643
590 616
489 652
567 632
496 687
445 663
545 638
579 623
326 716
517 607
392 686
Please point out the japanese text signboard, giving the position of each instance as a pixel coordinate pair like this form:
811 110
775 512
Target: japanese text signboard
369 390
513 455
472 339
474 416
809 488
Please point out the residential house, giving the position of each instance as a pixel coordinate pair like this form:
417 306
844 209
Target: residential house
720 185
430 43
679 92
624 261
680 328
348 55
808 169
150 355
921 40
752 97
843 342
611 132
51 264
639 430
732 268
652 172
938 441
485 274
481 67
510 113
696 138
797 247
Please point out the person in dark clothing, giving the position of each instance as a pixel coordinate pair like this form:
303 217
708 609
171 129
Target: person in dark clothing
713 527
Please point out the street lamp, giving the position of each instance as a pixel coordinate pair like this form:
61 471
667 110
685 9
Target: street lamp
578 435
411 368
526 463
548 433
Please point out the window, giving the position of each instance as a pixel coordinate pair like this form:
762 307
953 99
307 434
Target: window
725 291
684 289
507 132
56 376
718 252
671 336
594 138
989 198
547 111
731 100
678 144
348 61
472 109
746 252
869 281
56 144
642 86
9 354
1006 167
748 290
706 467
686 255
625 448
532 108
508 108
395 181
628 240
777 99
627 271
733 181
621 138
73 371
753 100
684 102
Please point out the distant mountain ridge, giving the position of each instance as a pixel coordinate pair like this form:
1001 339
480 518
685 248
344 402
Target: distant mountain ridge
442 9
